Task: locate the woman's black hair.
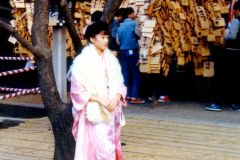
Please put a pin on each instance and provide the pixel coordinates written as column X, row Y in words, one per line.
column 95, row 29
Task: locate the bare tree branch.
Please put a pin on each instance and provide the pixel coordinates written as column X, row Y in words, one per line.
column 5, row 9
column 110, row 7
column 14, row 33
column 39, row 28
column 71, row 26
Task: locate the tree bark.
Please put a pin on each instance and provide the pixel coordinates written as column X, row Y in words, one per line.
column 58, row 113
column 109, row 8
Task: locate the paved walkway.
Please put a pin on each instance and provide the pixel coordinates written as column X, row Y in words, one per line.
column 145, row 139
column 173, row 131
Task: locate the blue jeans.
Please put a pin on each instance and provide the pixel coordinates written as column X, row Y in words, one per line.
column 130, row 70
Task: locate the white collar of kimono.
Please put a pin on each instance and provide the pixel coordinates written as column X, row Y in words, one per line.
column 85, row 68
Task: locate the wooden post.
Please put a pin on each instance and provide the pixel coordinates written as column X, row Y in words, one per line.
column 59, row 61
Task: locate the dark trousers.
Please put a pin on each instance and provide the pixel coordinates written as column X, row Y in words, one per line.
column 157, row 85
column 130, row 70
column 227, row 77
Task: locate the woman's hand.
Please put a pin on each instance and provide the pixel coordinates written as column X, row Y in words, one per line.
column 108, row 105
column 113, row 103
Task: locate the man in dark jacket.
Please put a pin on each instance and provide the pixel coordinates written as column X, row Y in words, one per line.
column 118, row 19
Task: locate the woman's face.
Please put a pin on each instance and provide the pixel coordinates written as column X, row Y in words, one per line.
column 100, row 41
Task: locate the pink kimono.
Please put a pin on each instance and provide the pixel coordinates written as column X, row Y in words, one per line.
column 96, row 141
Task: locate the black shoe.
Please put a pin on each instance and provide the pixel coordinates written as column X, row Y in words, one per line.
column 123, row 144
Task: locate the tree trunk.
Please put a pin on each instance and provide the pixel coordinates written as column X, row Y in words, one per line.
column 58, row 113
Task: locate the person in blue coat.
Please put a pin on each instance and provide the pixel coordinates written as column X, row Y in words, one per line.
column 127, row 37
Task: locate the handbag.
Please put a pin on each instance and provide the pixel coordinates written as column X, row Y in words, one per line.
column 97, row 113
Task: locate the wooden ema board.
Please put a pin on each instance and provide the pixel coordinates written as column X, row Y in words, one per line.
column 184, row 28
column 181, row 27
column 23, row 19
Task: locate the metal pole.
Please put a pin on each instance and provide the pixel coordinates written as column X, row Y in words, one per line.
column 59, row 61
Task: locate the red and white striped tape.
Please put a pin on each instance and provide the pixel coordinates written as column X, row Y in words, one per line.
column 23, row 92
column 17, row 71
column 14, row 89
column 16, row 58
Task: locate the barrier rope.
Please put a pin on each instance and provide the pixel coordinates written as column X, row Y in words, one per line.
column 16, row 58
column 23, row 92
column 14, row 89
column 27, row 69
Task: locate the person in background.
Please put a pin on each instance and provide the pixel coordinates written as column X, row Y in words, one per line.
column 127, row 38
column 95, row 17
column 228, row 67
column 113, row 46
column 158, row 88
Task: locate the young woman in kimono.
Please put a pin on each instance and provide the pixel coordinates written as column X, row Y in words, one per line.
column 98, row 95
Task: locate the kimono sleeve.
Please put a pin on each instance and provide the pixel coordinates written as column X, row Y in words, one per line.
column 79, row 94
column 123, row 91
